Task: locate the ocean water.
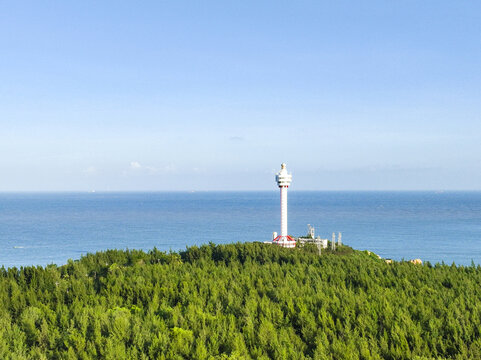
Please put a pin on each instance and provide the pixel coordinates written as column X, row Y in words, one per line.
column 45, row 228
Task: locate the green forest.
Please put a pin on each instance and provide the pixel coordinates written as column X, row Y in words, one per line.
column 240, row 301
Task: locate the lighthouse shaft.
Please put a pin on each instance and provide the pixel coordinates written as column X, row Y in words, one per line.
column 284, row 211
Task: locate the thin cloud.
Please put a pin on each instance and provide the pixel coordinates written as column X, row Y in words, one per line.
column 135, row 165
column 90, row 170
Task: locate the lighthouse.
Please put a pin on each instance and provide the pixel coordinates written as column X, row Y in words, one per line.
column 284, row 179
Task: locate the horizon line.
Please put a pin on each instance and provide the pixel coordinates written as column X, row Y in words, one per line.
column 241, row 190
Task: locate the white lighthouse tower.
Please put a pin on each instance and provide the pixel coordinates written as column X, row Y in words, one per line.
column 284, row 179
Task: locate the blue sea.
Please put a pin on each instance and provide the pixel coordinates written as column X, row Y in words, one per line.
column 45, row 228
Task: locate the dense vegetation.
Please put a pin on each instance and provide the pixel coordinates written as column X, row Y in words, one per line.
column 240, row 301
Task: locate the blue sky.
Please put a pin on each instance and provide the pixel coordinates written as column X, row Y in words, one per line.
column 204, row 95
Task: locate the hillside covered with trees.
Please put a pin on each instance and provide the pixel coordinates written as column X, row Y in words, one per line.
column 240, row 301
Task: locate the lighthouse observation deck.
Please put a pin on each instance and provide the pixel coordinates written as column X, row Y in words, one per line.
column 283, row 178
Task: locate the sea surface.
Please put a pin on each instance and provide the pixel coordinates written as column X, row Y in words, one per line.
column 45, row 228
